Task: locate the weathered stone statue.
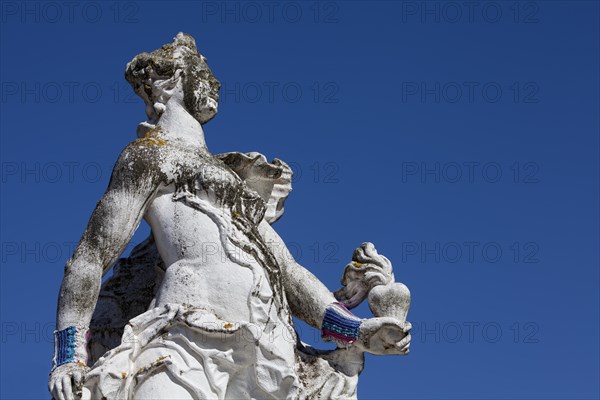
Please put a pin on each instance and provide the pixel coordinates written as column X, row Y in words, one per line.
column 203, row 308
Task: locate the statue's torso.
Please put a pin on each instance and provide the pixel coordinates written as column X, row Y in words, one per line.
column 191, row 218
column 219, row 314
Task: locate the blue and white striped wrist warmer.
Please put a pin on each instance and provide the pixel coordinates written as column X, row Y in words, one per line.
column 70, row 346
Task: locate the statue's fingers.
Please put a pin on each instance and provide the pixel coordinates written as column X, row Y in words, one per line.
column 401, row 349
column 51, row 385
column 353, row 301
column 67, row 388
column 404, row 343
column 352, row 298
column 352, row 292
column 340, row 295
column 57, row 391
column 392, row 330
column 407, row 327
column 77, row 375
column 389, row 322
column 78, row 380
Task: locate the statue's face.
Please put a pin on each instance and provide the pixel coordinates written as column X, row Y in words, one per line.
column 154, row 77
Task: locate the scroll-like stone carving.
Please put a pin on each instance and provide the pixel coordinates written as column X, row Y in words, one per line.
column 203, row 308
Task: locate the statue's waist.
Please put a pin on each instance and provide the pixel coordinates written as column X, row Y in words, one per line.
column 223, row 285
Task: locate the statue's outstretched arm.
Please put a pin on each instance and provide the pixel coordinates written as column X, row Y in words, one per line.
column 117, row 215
column 312, row 302
column 307, row 295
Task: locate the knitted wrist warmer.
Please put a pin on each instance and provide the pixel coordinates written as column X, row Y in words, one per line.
column 340, row 325
column 70, row 346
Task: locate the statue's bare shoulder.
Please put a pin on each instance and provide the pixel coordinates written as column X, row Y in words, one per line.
column 140, row 161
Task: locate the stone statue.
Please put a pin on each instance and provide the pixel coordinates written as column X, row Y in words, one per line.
column 203, row 308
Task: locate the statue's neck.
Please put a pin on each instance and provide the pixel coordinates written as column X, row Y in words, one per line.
column 177, row 124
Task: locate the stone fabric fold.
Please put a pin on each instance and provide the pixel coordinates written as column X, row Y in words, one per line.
column 177, row 348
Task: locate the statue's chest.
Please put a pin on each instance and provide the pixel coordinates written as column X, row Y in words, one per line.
column 210, row 182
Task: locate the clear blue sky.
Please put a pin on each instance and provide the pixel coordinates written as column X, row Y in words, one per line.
column 461, row 139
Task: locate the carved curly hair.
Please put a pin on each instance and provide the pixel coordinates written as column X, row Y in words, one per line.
column 199, row 83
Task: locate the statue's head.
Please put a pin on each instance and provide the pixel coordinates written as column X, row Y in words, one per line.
column 154, row 76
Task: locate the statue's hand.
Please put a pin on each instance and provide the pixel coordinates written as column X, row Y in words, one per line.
column 385, row 335
column 352, row 294
column 66, row 381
